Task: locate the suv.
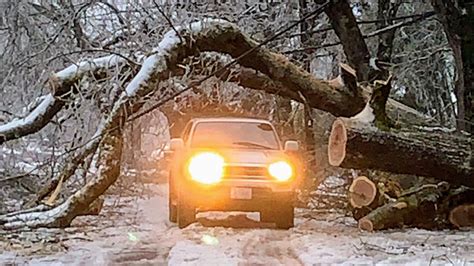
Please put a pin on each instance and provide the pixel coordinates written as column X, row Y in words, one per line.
column 232, row 164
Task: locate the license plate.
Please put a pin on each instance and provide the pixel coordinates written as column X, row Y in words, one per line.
column 240, row 193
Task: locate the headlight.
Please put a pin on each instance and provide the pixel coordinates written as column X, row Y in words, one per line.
column 282, row 171
column 206, row 167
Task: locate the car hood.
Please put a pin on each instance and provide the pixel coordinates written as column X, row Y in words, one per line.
column 251, row 156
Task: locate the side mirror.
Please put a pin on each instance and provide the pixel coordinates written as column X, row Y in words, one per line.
column 176, row 144
column 291, row 145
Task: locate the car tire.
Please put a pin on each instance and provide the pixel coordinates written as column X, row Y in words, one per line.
column 186, row 213
column 173, row 211
column 172, row 208
column 284, row 217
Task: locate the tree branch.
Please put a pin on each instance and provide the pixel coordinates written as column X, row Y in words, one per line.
column 369, row 35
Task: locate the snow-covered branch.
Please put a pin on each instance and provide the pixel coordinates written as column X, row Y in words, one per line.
column 60, row 85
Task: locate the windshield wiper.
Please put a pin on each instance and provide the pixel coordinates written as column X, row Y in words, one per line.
column 251, row 144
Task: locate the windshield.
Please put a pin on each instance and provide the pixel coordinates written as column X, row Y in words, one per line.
column 242, row 135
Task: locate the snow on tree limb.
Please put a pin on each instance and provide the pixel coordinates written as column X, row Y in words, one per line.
column 206, row 35
column 60, row 84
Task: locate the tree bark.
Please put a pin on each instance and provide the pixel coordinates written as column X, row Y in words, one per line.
column 418, row 152
column 68, row 170
column 418, row 209
column 345, row 26
column 457, row 18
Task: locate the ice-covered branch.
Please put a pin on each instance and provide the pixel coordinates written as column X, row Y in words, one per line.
column 60, row 83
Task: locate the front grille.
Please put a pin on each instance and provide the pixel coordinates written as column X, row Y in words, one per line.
column 245, row 172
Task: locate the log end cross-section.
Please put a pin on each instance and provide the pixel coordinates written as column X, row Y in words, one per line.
column 337, row 143
column 362, row 192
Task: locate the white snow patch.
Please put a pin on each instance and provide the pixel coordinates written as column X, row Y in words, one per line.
column 157, row 61
column 191, row 253
column 373, row 63
column 439, row 129
column 39, row 111
column 148, row 67
column 88, row 65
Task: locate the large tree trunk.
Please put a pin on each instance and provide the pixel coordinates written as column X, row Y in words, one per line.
column 367, row 141
column 443, row 155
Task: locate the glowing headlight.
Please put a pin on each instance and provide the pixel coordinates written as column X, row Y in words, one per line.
column 282, row 171
column 206, row 167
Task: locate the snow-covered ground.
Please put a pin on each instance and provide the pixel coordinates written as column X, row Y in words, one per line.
column 135, row 231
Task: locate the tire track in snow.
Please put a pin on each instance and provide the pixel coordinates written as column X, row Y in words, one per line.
column 270, row 247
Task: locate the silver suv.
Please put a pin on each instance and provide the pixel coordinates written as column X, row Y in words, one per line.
column 232, row 164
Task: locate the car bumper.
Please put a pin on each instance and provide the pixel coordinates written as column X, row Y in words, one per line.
column 220, row 197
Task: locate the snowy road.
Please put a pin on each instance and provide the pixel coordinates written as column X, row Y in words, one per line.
column 133, row 231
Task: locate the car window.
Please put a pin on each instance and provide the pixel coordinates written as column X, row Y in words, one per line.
column 243, row 135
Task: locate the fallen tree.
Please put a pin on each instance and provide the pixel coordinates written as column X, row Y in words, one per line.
column 369, row 140
column 207, row 35
column 61, row 85
column 442, row 155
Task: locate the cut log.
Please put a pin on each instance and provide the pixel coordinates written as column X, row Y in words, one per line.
column 455, row 208
column 363, row 197
column 418, row 209
column 362, row 192
column 337, row 144
column 462, row 216
column 356, row 144
column 366, row 194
